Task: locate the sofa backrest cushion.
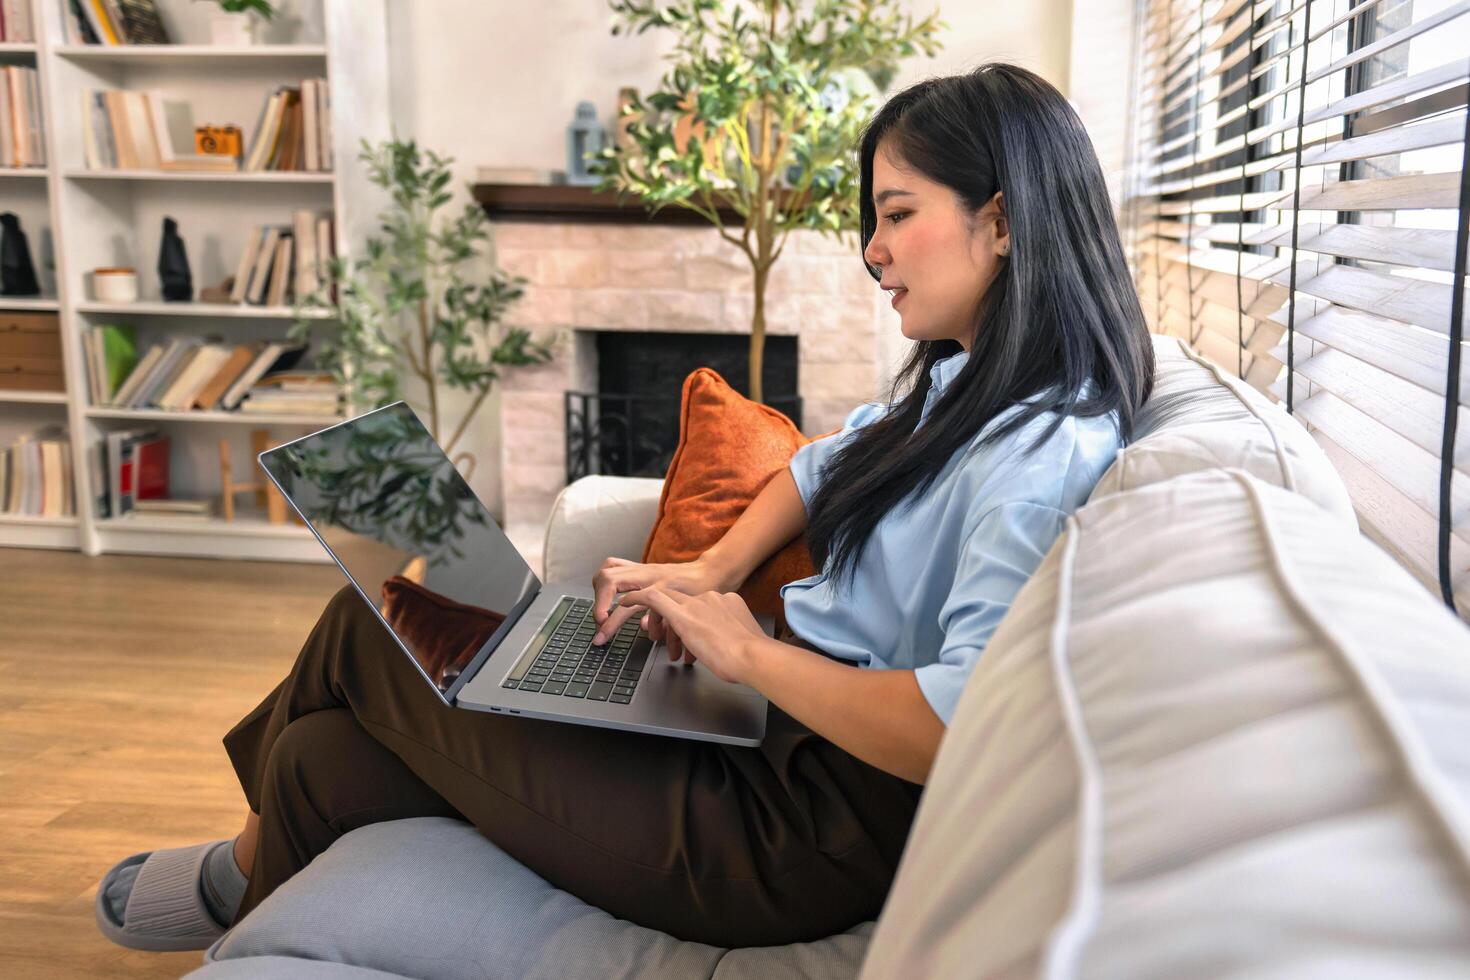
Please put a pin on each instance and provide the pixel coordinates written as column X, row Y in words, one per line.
column 1200, row 417
column 1215, row 735
column 594, row 518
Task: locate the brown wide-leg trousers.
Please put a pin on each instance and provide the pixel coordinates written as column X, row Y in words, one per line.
column 728, row 845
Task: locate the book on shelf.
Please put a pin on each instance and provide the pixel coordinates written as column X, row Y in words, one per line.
column 274, row 401
column 304, row 380
column 282, row 264
column 281, row 271
column 210, row 393
column 36, row 475
column 293, row 130
column 277, row 355
column 200, row 365
column 288, row 392
column 111, row 353
column 176, row 508
column 264, row 261
column 326, row 251
column 16, row 26
column 132, row 130
column 135, row 462
column 114, row 22
column 175, row 359
column 189, row 374
column 22, row 135
column 308, row 275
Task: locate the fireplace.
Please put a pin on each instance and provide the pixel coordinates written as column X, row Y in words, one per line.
column 629, row 425
column 633, row 308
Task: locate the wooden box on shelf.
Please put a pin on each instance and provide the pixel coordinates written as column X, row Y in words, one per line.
column 30, row 352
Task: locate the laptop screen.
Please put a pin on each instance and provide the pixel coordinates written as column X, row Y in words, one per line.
column 410, row 533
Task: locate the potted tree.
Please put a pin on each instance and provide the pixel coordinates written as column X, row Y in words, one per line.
column 421, row 303
column 759, row 114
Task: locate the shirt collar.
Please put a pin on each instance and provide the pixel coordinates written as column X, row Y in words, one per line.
column 941, row 373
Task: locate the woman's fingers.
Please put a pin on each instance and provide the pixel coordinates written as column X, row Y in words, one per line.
column 621, row 615
column 664, row 605
column 603, row 591
column 605, row 587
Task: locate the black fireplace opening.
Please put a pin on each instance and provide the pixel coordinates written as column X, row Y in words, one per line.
column 629, row 426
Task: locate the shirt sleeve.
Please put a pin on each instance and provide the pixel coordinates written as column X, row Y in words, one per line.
column 807, row 464
column 1002, row 551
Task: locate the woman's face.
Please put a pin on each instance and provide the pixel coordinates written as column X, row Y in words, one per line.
column 938, row 259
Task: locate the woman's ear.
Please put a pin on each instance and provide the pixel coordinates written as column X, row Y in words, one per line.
column 1002, row 226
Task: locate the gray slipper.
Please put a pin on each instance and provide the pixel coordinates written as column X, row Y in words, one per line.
column 165, row 912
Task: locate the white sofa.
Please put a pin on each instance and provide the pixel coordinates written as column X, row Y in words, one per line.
column 1219, row 734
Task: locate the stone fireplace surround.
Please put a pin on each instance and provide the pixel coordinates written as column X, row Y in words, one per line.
column 589, row 277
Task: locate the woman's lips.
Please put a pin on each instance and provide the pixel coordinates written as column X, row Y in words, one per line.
column 898, row 294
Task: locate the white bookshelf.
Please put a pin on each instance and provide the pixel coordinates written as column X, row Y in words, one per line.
column 78, row 219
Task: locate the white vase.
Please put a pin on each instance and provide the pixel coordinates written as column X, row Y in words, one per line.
column 232, row 30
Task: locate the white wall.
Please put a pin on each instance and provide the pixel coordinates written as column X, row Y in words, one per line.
column 495, row 83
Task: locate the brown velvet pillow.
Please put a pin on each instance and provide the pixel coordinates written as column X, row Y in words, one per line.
column 729, row 449
column 444, row 632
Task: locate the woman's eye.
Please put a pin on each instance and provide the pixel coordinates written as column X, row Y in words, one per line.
column 896, row 216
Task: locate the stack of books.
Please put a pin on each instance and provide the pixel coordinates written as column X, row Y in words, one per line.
column 190, row 374
column 143, row 131
column 15, row 22
column 293, row 393
column 113, row 22
column 283, row 264
column 128, row 466
column 22, row 138
column 294, row 131
column 36, row 476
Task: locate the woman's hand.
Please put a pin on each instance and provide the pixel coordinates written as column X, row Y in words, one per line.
column 619, row 575
column 716, row 627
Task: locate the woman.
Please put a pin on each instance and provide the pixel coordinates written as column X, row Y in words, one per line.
column 985, row 214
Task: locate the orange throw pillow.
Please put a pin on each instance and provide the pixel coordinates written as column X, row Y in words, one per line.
column 729, row 449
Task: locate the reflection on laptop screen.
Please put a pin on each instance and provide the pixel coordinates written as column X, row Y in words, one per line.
column 410, row 532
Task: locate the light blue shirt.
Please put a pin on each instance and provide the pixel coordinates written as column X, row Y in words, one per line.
column 937, row 575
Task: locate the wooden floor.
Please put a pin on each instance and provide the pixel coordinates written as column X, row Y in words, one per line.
column 118, row 677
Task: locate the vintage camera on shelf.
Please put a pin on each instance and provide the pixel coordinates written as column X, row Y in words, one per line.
column 217, row 140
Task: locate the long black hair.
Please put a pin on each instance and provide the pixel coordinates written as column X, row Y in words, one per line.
column 1061, row 310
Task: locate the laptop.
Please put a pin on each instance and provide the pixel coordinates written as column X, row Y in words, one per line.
column 478, row 625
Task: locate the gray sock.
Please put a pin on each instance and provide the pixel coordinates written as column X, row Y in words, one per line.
column 221, row 882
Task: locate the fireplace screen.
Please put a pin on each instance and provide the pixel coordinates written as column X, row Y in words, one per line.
column 630, row 425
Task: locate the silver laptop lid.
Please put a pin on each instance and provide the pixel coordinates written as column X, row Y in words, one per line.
column 395, row 514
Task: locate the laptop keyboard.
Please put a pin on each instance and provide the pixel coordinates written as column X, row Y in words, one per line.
column 562, row 660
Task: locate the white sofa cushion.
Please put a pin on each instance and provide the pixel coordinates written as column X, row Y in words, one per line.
column 1215, row 735
column 1200, row 417
column 594, row 518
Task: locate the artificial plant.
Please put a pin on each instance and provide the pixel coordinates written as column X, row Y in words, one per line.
column 772, row 95
column 422, row 298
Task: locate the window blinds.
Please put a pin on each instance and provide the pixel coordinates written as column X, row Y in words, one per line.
column 1296, row 210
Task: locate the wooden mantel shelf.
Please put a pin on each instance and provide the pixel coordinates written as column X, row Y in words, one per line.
column 571, row 202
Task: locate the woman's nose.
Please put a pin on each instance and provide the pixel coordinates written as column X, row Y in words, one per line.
column 876, row 253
